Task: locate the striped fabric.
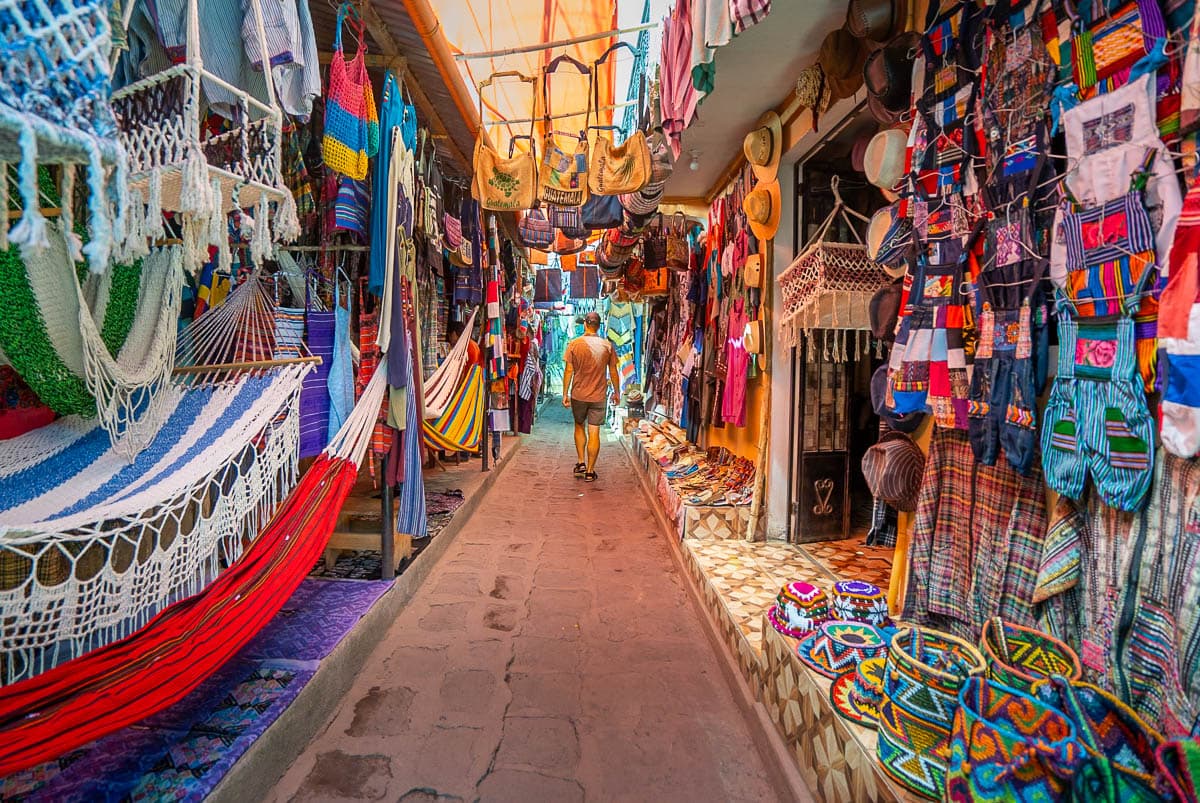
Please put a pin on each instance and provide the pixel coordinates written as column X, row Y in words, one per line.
column 748, row 13
column 411, row 517
column 976, row 542
column 1097, row 422
column 353, row 206
column 1179, row 330
column 293, row 327
column 459, row 428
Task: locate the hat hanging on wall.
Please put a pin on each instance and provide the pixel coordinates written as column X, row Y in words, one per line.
column 842, row 58
column 889, row 240
column 858, row 151
column 893, row 469
column 887, row 74
column 876, row 20
column 884, row 159
column 761, row 206
column 762, row 146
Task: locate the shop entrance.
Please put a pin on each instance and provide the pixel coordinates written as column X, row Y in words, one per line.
column 832, row 422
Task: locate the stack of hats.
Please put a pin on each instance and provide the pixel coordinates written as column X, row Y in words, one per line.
column 838, row 647
column 858, row 695
column 858, row 601
column 799, row 609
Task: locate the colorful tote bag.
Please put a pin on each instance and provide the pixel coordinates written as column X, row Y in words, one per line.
column 1008, row 746
column 1120, row 747
column 1116, row 41
column 535, row 230
column 921, row 681
column 1021, row 656
column 351, row 119
column 500, row 184
column 563, row 179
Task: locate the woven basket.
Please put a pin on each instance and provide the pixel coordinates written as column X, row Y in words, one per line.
column 1020, row 656
column 925, row 670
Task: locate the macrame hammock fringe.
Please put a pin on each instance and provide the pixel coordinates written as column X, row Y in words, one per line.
column 125, row 682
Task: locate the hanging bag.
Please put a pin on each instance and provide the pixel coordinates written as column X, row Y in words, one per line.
column 678, row 253
column 351, row 135
column 499, row 184
column 601, row 212
column 654, row 243
column 564, row 171
column 616, row 169
column 535, row 230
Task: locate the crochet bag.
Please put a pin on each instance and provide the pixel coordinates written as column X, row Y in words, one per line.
column 1009, row 746
column 925, row 670
column 678, row 254
column 535, row 230
column 1120, row 762
column 1021, row 656
column 564, row 172
column 505, row 184
column 616, row 169
column 351, row 135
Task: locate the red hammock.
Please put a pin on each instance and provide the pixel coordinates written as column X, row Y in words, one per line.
column 122, row 683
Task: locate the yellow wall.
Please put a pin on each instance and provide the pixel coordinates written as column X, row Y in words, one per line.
column 743, row 441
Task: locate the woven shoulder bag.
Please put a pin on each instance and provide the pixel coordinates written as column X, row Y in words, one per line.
column 924, row 672
column 1121, row 761
column 1021, row 656
column 563, row 178
column 616, row 169
column 1008, row 746
column 351, row 134
column 500, row 184
column 535, row 230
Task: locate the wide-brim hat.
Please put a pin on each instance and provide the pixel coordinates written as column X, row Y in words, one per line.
column 889, row 236
column 893, row 468
column 887, row 75
column 876, row 20
column 900, row 422
column 883, row 163
column 860, row 601
column 762, row 208
column 842, row 57
column 858, row 695
column 763, row 146
column 644, row 201
column 838, row 647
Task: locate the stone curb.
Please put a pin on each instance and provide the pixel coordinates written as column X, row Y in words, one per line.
column 785, row 775
column 266, row 761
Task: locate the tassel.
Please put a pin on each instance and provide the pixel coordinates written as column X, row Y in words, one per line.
column 260, row 238
column 30, row 231
column 121, row 224
column 99, row 249
column 195, row 196
column 154, row 211
column 287, row 219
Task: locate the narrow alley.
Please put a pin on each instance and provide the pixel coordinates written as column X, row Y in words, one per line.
column 552, row 655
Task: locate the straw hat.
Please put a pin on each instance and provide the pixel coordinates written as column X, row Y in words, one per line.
column 761, row 206
column 884, row 160
column 841, row 58
column 763, row 145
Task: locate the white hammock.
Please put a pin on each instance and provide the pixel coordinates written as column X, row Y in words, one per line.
column 441, row 384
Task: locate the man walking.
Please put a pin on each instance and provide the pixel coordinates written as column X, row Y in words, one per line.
column 591, row 363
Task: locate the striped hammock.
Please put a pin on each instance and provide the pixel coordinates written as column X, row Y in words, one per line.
column 442, row 383
column 460, row 426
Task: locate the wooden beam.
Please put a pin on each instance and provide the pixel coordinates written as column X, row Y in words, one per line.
column 438, row 126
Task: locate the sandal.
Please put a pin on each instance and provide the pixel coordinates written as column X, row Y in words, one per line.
column 579, row 469
column 590, row 476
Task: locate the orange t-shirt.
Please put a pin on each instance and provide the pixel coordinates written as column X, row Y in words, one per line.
column 590, row 358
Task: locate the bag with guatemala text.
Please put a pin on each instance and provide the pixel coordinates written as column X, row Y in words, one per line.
column 616, row 169
column 563, row 179
column 500, row 184
column 351, row 135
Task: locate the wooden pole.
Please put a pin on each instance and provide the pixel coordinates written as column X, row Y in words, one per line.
column 244, row 366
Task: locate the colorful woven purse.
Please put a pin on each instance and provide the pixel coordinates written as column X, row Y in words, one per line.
column 1021, row 656
column 1117, row 41
column 563, row 179
column 351, row 135
column 535, row 230
column 1179, row 766
column 505, row 184
column 924, row 672
column 1009, row 746
column 1121, row 748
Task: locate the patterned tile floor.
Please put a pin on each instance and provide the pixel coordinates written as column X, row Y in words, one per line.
column 851, row 558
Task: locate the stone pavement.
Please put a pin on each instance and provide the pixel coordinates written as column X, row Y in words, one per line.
column 552, row 655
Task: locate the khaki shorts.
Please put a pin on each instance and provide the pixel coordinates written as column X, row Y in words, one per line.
column 591, row 413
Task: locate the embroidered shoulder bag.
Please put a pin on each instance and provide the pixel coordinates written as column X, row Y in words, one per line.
column 351, row 135
column 535, row 230
column 616, row 169
column 563, row 179
column 500, row 184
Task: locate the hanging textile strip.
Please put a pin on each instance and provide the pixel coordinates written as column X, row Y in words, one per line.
column 295, row 328
column 160, row 664
column 1179, row 332
column 460, row 427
